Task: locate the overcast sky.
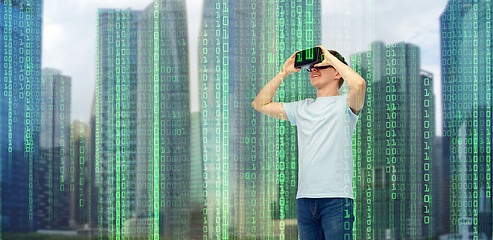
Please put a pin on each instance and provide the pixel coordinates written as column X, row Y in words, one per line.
column 69, row 36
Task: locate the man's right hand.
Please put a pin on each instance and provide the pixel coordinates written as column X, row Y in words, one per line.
column 288, row 66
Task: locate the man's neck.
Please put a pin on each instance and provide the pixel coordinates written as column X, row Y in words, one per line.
column 327, row 92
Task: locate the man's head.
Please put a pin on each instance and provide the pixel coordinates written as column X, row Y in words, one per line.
column 320, row 77
column 341, row 58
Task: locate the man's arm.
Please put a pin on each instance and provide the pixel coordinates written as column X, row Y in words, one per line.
column 263, row 102
column 357, row 85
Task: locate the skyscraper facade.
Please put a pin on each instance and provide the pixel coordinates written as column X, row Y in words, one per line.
column 115, row 123
column 20, row 71
column 393, row 142
column 441, row 185
column 250, row 160
column 95, row 175
column 53, row 168
column 196, row 177
column 163, row 113
column 466, row 90
column 81, row 176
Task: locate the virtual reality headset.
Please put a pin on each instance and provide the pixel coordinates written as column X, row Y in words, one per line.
column 307, row 58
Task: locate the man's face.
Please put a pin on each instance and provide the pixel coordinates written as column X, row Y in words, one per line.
column 320, row 78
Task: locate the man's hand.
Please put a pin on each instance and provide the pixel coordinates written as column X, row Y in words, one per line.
column 288, row 66
column 263, row 102
column 327, row 60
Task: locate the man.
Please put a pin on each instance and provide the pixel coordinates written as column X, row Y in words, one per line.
column 325, row 128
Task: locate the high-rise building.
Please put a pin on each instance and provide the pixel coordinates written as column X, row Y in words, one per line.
column 393, row 142
column 441, row 185
column 249, row 159
column 81, row 176
column 96, row 176
column 53, row 168
column 56, row 90
column 20, row 71
column 466, row 91
column 116, row 118
column 163, row 113
column 196, row 178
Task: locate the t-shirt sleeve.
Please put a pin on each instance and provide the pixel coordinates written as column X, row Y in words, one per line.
column 291, row 110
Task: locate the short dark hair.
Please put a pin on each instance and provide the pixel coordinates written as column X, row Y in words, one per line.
column 341, row 58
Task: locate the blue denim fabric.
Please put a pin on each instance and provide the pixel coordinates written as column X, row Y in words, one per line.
column 325, row 218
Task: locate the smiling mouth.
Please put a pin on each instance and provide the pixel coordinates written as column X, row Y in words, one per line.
column 316, row 75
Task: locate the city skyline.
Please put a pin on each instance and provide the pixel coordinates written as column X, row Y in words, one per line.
column 148, row 163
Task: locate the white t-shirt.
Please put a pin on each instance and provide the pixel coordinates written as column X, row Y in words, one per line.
column 325, row 129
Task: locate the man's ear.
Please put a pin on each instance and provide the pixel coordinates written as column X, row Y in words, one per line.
column 338, row 76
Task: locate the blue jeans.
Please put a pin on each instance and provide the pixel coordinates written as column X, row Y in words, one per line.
column 325, row 218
